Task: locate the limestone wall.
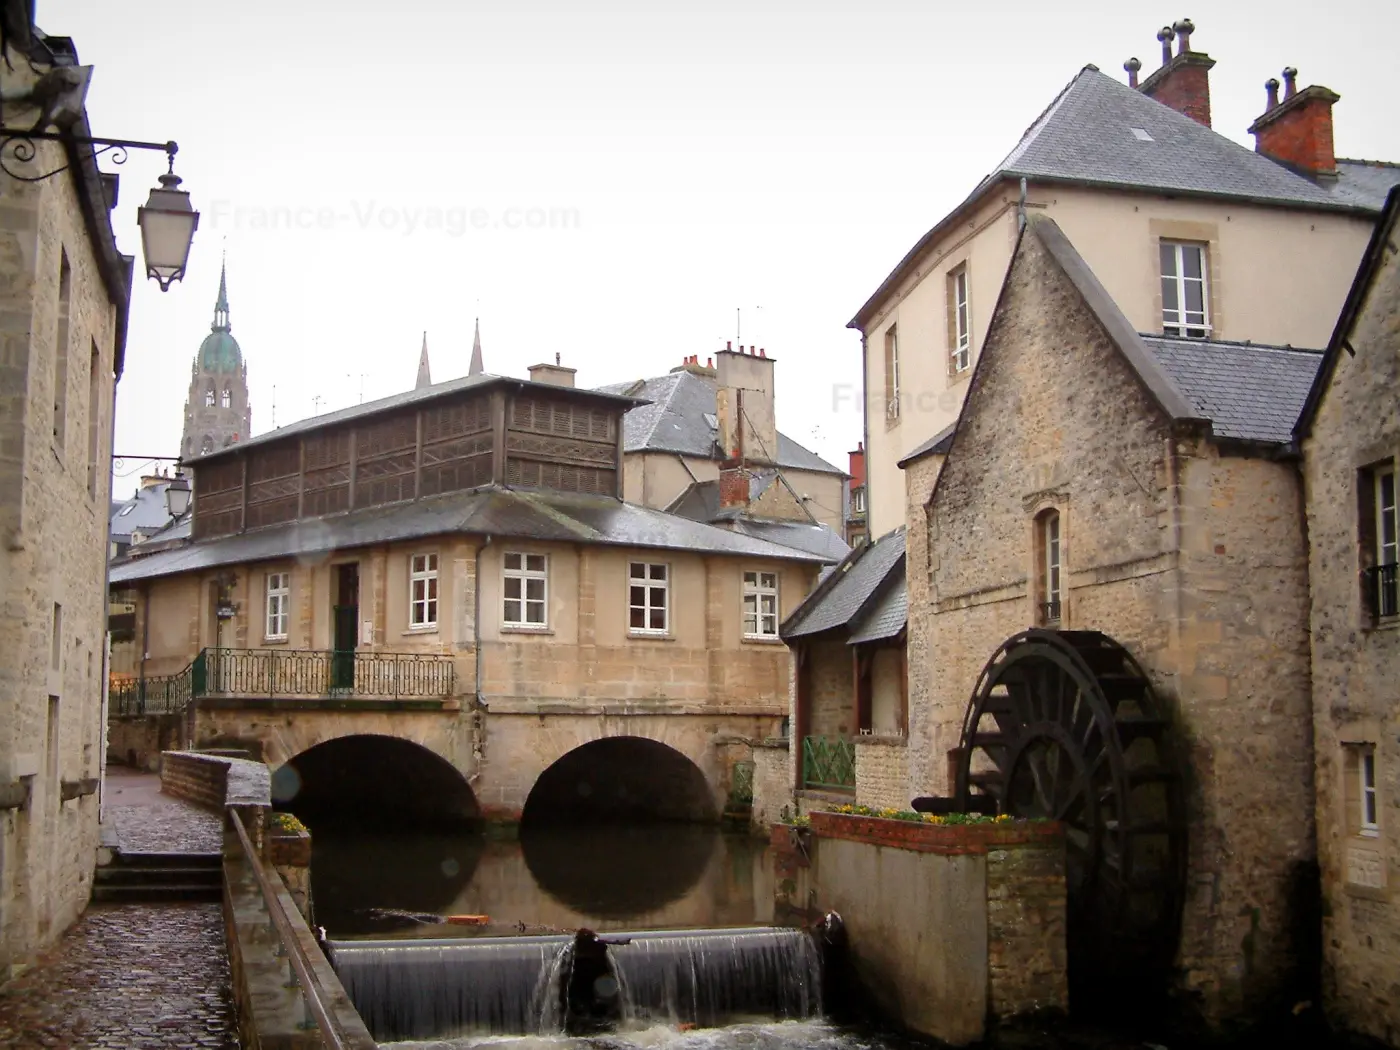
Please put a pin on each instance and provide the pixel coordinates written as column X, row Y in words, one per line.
column 882, row 772
column 1355, row 668
column 57, row 359
column 772, row 783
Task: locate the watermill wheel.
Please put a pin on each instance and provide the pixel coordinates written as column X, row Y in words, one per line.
column 1064, row 725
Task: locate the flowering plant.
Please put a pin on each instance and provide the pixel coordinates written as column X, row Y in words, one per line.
column 951, row 819
column 286, row 822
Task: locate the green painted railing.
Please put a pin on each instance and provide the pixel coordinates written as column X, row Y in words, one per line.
column 829, row 762
column 272, row 673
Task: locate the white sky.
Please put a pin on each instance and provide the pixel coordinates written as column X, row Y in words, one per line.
column 778, row 157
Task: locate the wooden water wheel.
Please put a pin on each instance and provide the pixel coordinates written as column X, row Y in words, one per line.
column 1065, row 725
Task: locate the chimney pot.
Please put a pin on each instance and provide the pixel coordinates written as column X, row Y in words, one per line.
column 709, row 362
column 1184, row 29
column 1132, row 66
column 556, row 357
column 729, row 344
column 1271, row 90
column 1165, row 35
column 762, row 352
column 1290, row 82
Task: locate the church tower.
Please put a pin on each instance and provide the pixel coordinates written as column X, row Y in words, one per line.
column 217, row 413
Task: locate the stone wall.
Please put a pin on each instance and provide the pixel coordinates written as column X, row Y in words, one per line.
column 1355, row 665
column 138, row 742
column 57, row 363
column 213, row 781
column 1026, row 948
column 882, row 772
column 772, row 783
column 831, row 708
column 1191, row 558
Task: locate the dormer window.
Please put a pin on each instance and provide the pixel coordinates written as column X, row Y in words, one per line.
column 1185, row 297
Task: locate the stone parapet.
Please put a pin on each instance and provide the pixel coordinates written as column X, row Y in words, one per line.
column 214, row 781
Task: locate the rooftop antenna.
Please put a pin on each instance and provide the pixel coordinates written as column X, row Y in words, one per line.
column 316, row 404
column 274, row 406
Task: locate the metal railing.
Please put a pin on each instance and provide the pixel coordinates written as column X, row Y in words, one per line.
column 1050, row 612
column 1381, row 584
column 829, row 762
column 287, row 673
column 313, row 994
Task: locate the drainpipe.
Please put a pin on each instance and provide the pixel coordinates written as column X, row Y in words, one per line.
column 479, row 749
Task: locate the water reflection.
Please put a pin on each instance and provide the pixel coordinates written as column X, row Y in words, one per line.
column 553, row 878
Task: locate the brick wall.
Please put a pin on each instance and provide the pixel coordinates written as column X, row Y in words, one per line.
column 1026, row 957
column 201, row 779
column 882, row 772
column 1355, row 665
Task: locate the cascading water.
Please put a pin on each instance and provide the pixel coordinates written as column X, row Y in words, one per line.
column 549, row 985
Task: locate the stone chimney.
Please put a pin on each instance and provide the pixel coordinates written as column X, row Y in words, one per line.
column 1297, row 131
column 1183, row 81
column 150, row 480
column 748, row 428
column 553, row 375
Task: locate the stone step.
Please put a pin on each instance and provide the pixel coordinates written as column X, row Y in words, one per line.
column 167, row 860
column 144, row 892
column 126, row 875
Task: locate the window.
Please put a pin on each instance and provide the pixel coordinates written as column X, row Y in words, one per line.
column 892, row 372
column 760, row 605
column 648, row 597
column 279, row 591
column 1184, row 298
column 1369, row 824
column 1383, row 584
column 1048, row 565
column 960, row 327
column 423, row 591
column 858, row 500
column 94, row 419
column 60, row 353
column 209, row 398
column 526, row 590
column 226, row 398
column 56, row 641
column 206, row 446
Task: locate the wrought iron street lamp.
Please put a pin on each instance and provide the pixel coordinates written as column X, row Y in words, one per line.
column 177, row 495
column 167, row 226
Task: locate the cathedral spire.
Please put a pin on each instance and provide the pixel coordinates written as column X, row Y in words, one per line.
column 425, row 378
column 476, row 366
column 221, row 305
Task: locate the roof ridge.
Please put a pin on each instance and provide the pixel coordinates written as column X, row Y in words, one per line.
column 1243, row 344
column 1373, row 163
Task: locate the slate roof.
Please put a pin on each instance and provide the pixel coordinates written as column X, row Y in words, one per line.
column 1247, row 391
column 1086, row 137
column 939, row 443
column 700, row 502
column 886, row 618
column 407, row 397
column 145, row 510
column 847, row 595
column 508, row 513
column 675, row 421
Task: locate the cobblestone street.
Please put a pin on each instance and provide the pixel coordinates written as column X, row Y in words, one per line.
column 139, row 975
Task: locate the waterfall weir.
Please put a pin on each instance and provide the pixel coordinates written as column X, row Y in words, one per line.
column 579, row 983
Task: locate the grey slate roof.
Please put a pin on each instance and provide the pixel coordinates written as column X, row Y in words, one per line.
column 886, row 618
column 674, row 421
column 939, row 443
column 1086, row 137
column 849, row 590
column 407, row 397
column 1247, row 391
column 700, row 502
column 508, row 513
column 145, row 510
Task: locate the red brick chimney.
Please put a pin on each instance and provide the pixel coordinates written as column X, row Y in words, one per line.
column 1183, row 81
column 1298, row 130
column 733, row 487
column 857, row 466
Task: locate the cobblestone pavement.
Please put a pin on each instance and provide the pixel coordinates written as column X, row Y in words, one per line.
column 133, row 976
column 145, row 821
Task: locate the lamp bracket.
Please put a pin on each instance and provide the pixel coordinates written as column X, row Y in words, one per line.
column 17, row 146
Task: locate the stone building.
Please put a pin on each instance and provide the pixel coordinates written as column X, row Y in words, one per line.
column 217, row 412
column 447, row 584
column 63, row 317
column 1108, row 625
column 699, row 416
column 1350, row 438
column 1181, row 224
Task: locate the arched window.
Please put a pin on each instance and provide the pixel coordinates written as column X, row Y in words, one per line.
column 209, row 398
column 226, row 398
column 206, row 446
column 1049, row 568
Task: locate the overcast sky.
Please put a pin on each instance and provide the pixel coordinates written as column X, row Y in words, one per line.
column 608, row 182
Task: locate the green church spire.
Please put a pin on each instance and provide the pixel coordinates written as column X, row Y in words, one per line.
column 221, row 305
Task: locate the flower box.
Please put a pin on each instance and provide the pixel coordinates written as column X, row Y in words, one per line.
column 925, row 837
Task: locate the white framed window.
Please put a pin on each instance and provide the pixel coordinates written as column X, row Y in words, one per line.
column 960, row 353
column 423, row 590
column 1369, row 823
column 1048, row 540
column 858, row 500
column 760, row 605
column 226, row 398
column 1185, row 296
column 279, row 599
column 649, row 597
column 892, row 372
column 1387, row 520
column 209, row 398
column 526, row 590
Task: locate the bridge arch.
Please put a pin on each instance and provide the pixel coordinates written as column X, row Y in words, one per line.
column 621, row 778
column 373, row 779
